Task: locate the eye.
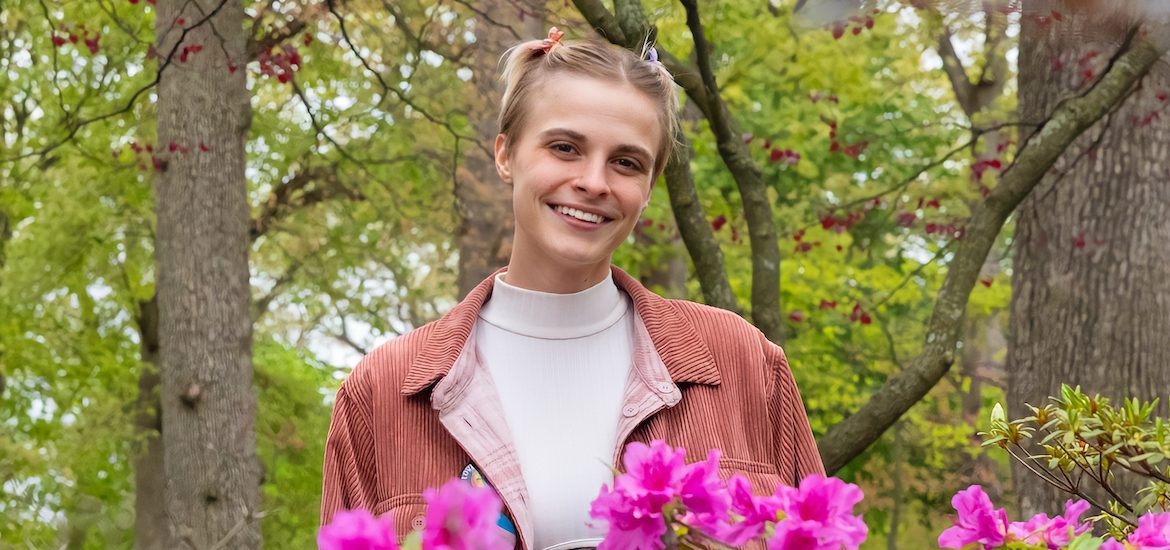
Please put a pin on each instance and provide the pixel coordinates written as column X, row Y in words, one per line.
column 630, row 164
column 562, row 147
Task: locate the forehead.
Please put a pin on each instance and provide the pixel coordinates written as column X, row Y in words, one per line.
column 601, row 110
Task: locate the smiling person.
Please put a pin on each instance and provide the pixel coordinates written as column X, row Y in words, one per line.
column 537, row 380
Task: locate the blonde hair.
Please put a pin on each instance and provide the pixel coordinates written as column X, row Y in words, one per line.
column 528, row 64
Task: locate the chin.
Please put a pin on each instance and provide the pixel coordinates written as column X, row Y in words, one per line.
column 579, row 259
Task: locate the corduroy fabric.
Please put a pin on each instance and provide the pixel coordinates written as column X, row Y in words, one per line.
column 387, row 443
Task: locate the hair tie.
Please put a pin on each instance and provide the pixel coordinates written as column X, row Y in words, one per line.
column 652, row 55
column 554, row 39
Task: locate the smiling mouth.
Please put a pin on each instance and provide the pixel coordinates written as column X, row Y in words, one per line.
column 577, row 214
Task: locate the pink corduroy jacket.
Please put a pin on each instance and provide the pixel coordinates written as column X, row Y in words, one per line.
column 420, row 408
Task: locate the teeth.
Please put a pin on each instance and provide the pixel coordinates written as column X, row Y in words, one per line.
column 584, row 216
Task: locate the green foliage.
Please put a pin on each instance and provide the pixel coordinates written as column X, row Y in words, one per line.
column 1078, row 439
column 295, row 398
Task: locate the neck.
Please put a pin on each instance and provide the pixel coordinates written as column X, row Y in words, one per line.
column 554, row 279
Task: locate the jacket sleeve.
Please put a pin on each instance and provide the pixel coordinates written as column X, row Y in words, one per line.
column 793, row 435
column 350, row 469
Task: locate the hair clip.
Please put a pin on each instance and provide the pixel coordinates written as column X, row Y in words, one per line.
column 652, row 54
column 554, row 39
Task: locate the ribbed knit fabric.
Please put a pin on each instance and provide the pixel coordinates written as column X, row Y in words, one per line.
column 560, row 364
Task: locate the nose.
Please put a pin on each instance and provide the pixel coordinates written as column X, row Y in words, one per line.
column 592, row 179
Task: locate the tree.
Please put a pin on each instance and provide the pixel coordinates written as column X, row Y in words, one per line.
column 1091, row 277
column 204, row 296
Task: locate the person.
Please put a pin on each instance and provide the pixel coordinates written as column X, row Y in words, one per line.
column 536, row 381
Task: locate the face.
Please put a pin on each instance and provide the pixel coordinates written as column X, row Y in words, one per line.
column 580, row 170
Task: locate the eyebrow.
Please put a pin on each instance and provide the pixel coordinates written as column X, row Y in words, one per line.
column 578, row 136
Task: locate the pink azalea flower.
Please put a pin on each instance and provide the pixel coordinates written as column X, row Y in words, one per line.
column 462, row 517
column 1052, row 533
column 633, row 523
column 828, row 503
column 704, row 495
column 1111, row 544
column 978, row 522
column 1031, row 531
column 357, row 530
column 754, row 512
column 633, row 509
column 1063, row 529
column 799, row 535
column 656, row 469
column 1152, row 533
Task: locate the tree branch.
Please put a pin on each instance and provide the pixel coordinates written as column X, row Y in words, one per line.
column 753, row 192
column 76, row 126
column 260, row 306
column 295, row 193
column 1068, row 121
column 956, row 72
column 393, row 90
column 260, row 43
column 696, row 231
column 603, row 21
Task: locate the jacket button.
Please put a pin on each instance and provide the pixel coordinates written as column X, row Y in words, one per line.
column 629, row 410
column 418, row 522
column 665, row 387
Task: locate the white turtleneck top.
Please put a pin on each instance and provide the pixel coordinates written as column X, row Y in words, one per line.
column 560, row 364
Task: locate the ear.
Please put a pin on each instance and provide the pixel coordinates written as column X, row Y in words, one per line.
column 503, row 163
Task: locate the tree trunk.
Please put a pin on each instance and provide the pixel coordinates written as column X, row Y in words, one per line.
column 667, row 274
column 485, row 202
column 1091, row 279
column 150, row 520
column 205, row 325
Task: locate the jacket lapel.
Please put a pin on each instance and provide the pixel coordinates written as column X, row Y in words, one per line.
column 687, row 357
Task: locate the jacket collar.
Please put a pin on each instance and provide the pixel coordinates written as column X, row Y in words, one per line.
column 687, row 357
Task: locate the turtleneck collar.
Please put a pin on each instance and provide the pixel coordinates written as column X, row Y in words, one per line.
column 554, row 316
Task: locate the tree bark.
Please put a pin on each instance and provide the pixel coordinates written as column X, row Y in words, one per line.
column 205, row 327
column 1091, row 278
column 696, row 230
column 666, row 275
column 150, row 520
column 483, row 200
